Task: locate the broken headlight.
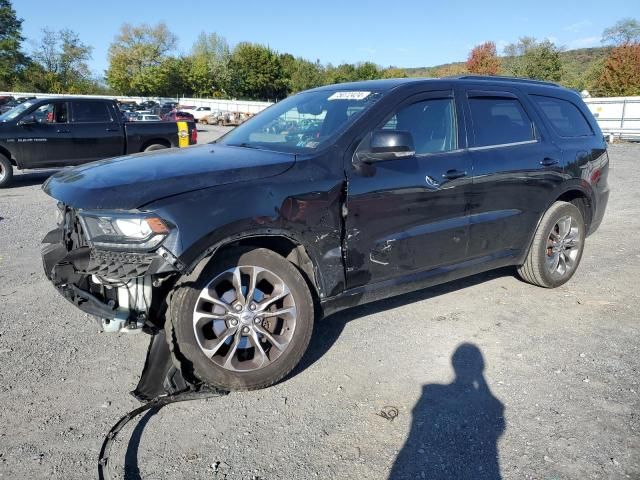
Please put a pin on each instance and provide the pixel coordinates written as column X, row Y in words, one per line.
column 124, row 230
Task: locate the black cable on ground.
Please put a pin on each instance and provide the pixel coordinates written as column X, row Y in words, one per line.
column 104, row 471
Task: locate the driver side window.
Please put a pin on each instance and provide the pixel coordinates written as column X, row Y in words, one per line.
column 432, row 124
column 51, row 113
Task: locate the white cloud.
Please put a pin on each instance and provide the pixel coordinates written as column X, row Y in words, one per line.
column 576, row 27
column 584, row 42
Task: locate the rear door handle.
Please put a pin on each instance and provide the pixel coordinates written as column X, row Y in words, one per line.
column 548, row 161
column 112, row 130
column 453, row 174
column 62, row 130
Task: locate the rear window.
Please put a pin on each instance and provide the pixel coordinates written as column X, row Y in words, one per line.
column 499, row 121
column 565, row 117
column 84, row 112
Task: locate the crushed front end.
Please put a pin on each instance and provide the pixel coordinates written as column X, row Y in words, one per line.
column 111, row 265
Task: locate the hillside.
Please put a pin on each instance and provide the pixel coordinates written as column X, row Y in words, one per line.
column 579, row 67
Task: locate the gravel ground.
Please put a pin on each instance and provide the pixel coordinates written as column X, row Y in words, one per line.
column 558, row 397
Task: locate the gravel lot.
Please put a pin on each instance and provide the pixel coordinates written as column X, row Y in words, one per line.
column 558, row 398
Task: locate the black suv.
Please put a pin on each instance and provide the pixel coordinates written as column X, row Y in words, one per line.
column 331, row 198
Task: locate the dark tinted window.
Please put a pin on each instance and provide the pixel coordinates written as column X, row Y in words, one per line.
column 497, row 121
column 565, row 118
column 431, row 124
column 90, row 112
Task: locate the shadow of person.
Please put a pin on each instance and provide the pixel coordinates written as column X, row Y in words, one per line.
column 455, row 428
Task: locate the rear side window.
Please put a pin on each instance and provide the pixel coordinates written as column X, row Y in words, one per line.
column 84, row 112
column 499, row 121
column 565, row 118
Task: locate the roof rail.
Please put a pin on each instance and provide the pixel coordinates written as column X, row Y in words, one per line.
column 502, row 77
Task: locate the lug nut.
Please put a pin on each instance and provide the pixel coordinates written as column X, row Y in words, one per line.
column 252, row 306
column 245, row 330
column 238, row 307
column 233, row 322
column 257, row 320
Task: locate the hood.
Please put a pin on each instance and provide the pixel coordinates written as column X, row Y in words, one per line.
column 132, row 181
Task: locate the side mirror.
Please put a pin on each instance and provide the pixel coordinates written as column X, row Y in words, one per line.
column 388, row 145
column 28, row 120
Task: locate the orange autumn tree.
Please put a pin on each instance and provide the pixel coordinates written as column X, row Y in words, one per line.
column 484, row 60
column 621, row 72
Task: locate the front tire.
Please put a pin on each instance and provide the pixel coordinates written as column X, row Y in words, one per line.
column 557, row 247
column 6, row 172
column 244, row 323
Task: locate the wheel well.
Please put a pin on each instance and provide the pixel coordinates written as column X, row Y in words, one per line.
column 289, row 249
column 156, row 141
column 7, row 154
column 580, row 200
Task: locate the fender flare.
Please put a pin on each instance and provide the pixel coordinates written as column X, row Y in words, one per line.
column 196, row 265
column 575, row 185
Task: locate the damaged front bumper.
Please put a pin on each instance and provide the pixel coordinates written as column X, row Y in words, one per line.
column 115, row 287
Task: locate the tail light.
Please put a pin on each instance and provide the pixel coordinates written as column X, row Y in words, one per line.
column 194, row 135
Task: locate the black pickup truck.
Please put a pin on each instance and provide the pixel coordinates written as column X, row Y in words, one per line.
column 57, row 132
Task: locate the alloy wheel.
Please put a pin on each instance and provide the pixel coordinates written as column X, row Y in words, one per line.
column 244, row 318
column 563, row 246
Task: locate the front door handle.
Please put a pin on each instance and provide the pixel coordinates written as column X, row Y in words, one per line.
column 548, row 161
column 62, row 130
column 112, row 130
column 453, row 174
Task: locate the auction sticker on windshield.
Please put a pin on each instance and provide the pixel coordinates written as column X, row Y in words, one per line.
column 349, row 96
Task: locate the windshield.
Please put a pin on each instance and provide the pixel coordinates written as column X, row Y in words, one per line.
column 16, row 111
column 303, row 122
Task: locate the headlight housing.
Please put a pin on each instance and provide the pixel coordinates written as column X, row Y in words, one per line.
column 131, row 231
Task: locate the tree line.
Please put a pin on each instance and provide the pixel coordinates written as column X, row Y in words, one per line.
column 143, row 61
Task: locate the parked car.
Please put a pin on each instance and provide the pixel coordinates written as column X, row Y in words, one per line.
column 4, row 99
column 198, row 112
column 149, row 104
column 177, row 115
column 56, row 132
column 237, row 245
column 147, row 117
column 20, row 100
column 224, row 118
column 165, row 108
column 130, row 116
column 214, row 118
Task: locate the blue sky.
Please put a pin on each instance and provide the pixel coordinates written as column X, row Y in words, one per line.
column 409, row 33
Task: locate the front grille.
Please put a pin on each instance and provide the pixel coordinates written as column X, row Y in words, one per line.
column 118, row 265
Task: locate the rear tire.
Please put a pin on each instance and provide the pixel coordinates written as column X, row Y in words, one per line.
column 154, row 147
column 235, row 343
column 557, row 247
column 6, row 172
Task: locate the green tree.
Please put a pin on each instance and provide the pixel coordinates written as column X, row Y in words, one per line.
column 394, row 72
column 345, row 72
column 484, row 60
column 367, row 71
column 12, row 60
column 136, row 55
column 256, row 73
column 208, row 72
column 532, row 59
column 625, row 31
column 62, row 67
column 301, row 74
